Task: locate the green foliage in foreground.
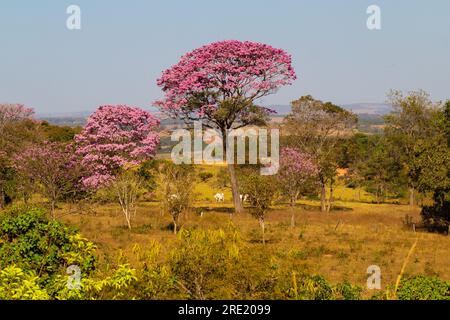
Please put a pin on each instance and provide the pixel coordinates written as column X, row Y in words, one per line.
column 42, row 247
column 423, row 288
column 15, row 284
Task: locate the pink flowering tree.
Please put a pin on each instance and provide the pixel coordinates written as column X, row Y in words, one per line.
column 115, row 137
column 10, row 113
column 219, row 84
column 296, row 175
column 50, row 168
column 10, row 141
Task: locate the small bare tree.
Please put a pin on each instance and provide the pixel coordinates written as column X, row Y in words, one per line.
column 175, row 190
column 127, row 187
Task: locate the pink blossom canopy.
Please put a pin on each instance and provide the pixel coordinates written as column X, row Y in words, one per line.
column 297, row 170
column 293, row 161
column 115, row 136
column 226, row 70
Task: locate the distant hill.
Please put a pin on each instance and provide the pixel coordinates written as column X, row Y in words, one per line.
column 369, row 108
column 79, row 118
column 358, row 108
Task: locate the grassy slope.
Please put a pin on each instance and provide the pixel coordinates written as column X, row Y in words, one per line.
column 340, row 245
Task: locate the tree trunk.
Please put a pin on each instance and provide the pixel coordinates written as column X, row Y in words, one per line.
column 235, row 189
column 128, row 219
column 411, row 197
column 2, row 198
column 323, row 198
column 293, row 213
column 232, row 172
column 174, row 227
column 52, row 208
column 330, row 199
column 263, row 227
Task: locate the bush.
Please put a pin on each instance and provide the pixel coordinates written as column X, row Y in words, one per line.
column 437, row 217
column 423, row 288
column 202, row 260
column 205, row 176
column 15, row 284
column 314, row 288
column 34, row 244
column 347, row 291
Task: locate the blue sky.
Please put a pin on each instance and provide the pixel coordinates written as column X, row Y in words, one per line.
column 123, row 47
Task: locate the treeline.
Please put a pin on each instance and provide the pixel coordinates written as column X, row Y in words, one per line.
column 114, row 154
column 19, row 130
column 411, row 158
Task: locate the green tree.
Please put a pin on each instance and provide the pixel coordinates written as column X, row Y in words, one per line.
column 433, row 165
column 377, row 168
column 408, row 128
column 175, row 189
column 261, row 191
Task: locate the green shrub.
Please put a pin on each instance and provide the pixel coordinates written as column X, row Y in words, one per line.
column 46, row 247
column 202, row 260
column 15, row 284
column 205, row 176
column 117, row 284
column 156, row 281
column 423, row 288
column 347, row 291
column 306, row 287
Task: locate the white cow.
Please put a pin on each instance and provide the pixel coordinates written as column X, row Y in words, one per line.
column 243, row 197
column 173, row 197
column 220, row 197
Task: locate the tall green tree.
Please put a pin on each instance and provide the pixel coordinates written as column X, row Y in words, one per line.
column 379, row 168
column 409, row 129
column 433, row 165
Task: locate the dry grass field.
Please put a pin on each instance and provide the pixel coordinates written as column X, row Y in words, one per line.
column 340, row 245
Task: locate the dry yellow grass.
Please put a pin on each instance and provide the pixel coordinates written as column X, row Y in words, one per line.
column 340, row 245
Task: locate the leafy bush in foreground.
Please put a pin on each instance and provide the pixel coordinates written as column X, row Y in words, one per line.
column 15, row 284
column 45, row 247
column 423, row 288
column 202, row 260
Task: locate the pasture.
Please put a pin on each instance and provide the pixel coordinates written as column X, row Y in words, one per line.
column 339, row 245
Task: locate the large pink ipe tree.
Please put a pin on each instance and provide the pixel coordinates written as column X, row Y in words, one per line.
column 219, row 83
column 114, row 137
